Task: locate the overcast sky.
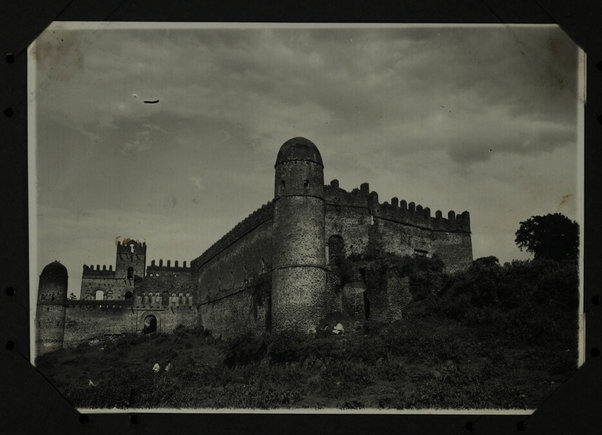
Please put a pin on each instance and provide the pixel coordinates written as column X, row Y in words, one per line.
column 463, row 118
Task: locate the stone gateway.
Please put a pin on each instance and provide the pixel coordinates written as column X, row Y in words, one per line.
column 274, row 271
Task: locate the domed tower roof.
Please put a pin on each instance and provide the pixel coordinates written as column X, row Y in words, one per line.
column 299, row 148
column 54, row 270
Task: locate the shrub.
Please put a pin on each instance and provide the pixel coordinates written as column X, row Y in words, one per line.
column 244, row 350
column 181, row 331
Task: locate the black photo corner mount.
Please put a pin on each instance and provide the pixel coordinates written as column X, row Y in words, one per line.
column 32, row 405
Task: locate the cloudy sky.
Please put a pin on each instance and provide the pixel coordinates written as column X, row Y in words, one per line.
column 465, row 118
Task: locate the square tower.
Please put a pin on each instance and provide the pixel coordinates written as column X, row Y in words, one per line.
column 131, row 259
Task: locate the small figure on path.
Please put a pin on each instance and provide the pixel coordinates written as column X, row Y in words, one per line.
column 156, row 367
column 168, row 367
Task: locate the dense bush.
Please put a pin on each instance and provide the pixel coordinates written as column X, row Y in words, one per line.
column 490, row 336
column 532, row 302
column 244, row 349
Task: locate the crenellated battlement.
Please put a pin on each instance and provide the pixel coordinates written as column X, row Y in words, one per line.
column 91, row 271
column 129, row 245
column 252, row 221
column 167, row 267
column 396, row 210
column 104, row 305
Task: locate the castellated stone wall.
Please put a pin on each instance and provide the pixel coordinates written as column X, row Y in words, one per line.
column 172, row 285
column 397, row 227
column 274, row 270
column 225, row 273
column 112, row 288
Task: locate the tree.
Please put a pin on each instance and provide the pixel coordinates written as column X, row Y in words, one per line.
column 486, row 262
column 552, row 236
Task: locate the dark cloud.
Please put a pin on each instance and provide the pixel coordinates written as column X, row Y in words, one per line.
column 422, row 112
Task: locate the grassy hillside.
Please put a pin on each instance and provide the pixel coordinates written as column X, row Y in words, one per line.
column 491, row 337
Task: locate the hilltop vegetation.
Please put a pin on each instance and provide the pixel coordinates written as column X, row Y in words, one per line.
column 493, row 336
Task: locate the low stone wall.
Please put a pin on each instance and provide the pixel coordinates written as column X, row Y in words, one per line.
column 88, row 320
column 235, row 315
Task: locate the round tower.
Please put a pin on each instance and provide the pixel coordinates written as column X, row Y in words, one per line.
column 299, row 274
column 50, row 313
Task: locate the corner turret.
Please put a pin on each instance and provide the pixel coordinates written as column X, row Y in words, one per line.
column 299, row 274
column 50, row 312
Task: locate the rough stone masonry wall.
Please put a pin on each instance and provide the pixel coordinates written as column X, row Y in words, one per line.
column 234, row 315
column 225, row 270
column 50, row 323
column 168, row 318
column 113, row 288
column 168, row 281
column 400, row 228
column 88, row 319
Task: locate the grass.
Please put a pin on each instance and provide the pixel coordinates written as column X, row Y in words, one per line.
column 490, row 337
column 448, row 367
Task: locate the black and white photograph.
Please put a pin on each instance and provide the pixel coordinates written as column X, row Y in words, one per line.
column 253, row 217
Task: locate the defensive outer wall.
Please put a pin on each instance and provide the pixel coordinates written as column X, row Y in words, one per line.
column 113, row 305
column 275, row 270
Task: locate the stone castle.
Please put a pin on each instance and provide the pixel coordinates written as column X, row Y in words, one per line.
column 275, row 270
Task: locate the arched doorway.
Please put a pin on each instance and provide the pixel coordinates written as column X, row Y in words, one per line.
column 150, row 324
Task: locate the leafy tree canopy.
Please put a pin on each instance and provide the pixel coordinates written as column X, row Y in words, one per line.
column 552, row 236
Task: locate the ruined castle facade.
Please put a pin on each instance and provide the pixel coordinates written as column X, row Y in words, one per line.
column 275, row 270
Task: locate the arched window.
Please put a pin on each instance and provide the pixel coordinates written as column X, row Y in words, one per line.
column 100, row 295
column 158, row 298
column 130, row 272
column 127, row 295
column 180, row 298
column 336, row 250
